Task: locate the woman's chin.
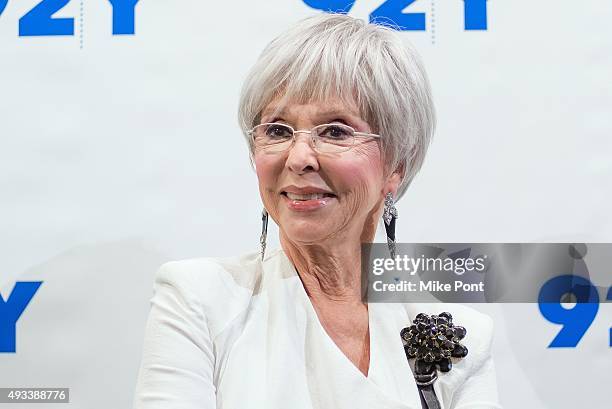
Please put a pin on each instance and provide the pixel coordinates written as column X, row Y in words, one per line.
column 306, row 231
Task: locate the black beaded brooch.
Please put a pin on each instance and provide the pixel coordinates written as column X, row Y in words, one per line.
column 433, row 340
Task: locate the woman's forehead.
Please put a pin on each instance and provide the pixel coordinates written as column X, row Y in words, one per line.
column 318, row 108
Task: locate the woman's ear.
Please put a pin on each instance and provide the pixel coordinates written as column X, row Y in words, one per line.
column 395, row 180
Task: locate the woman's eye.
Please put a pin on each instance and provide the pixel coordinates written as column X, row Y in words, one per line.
column 278, row 131
column 335, row 132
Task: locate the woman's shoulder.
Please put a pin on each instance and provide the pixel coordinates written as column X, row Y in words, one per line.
column 210, row 270
column 220, row 288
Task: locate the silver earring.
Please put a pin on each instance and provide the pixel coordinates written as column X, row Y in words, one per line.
column 389, row 217
column 264, row 232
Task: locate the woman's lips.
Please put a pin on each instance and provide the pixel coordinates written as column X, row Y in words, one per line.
column 308, row 202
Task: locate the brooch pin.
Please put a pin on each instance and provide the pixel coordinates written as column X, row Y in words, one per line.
column 433, row 341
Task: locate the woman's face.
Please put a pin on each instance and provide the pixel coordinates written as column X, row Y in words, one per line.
column 350, row 185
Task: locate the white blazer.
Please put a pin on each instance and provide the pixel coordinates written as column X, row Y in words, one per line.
column 239, row 333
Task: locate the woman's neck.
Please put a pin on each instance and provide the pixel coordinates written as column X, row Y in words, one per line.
column 331, row 276
column 329, row 273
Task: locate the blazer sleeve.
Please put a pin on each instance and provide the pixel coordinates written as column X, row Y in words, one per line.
column 479, row 391
column 178, row 361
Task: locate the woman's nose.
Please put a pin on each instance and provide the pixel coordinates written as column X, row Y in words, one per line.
column 301, row 157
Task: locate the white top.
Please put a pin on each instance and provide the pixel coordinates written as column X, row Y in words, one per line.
column 236, row 333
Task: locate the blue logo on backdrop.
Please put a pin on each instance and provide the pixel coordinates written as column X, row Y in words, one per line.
column 11, row 310
column 39, row 21
column 575, row 321
column 2, row 5
column 475, row 13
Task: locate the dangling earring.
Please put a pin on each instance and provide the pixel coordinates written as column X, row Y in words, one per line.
column 264, row 232
column 389, row 217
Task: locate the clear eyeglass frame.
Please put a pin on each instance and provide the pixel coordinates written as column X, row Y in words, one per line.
column 317, row 142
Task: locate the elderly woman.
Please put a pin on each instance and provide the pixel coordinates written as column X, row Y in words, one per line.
column 338, row 117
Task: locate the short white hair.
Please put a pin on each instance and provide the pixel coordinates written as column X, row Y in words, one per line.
column 367, row 64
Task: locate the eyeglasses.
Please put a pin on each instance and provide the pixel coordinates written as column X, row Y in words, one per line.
column 324, row 138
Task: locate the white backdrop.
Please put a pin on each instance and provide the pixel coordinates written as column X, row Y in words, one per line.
column 125, row 153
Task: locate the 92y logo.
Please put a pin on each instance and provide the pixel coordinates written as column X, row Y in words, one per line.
column 2, row 5
column 39, row 21
column 475, row 12
column 11, row 310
